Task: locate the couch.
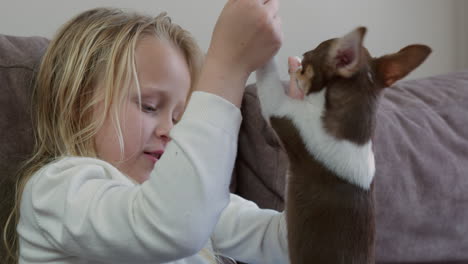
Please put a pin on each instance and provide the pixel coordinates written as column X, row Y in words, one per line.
column 421, row 149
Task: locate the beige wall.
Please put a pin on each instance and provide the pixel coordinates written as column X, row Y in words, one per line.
column 461, row 33
column 392, row 24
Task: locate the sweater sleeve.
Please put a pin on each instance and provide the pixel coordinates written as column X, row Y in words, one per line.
column 91, row 213
column 250, row 234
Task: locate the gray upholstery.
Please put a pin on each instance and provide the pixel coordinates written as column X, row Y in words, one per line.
column 19, row 57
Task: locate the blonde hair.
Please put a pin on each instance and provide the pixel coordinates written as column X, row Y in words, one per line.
column 96, row 45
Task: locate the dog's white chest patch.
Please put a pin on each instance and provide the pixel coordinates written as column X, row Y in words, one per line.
column 349, row 161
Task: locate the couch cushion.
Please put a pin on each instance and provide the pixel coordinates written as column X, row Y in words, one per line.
column 421, row 147
column 19, row 57
column 261, row 163
column 421, row 182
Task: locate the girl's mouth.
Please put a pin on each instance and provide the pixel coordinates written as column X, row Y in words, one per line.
column 154, row 156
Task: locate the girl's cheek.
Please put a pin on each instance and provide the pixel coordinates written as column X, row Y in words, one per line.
column 134, row 125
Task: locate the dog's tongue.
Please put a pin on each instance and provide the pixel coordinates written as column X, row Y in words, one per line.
column 293, row 65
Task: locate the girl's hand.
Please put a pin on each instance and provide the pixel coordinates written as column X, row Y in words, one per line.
column 247, row 34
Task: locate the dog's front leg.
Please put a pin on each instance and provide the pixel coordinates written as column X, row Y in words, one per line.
column 270, row 89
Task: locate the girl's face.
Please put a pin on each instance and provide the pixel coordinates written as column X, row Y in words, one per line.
column 164, row 80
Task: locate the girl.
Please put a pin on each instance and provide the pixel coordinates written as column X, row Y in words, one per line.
column 112, row 181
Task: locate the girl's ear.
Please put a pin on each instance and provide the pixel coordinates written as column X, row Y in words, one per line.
column 345, row 53
column 393, row 67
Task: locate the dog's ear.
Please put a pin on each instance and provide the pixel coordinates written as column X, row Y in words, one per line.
column 393, row 67
column 345, row 53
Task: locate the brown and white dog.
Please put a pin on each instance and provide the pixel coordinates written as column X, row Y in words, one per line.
column 327, row 134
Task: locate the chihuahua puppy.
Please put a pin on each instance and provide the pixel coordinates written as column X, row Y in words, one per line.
column 326, row 127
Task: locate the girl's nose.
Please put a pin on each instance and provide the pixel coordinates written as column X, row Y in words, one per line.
column 163, row 129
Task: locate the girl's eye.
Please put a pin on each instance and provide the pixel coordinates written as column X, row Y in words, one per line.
column 148, row 108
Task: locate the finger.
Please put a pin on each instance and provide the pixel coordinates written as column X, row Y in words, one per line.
column 278, row 29
column 230, row 2
column 293, row 64
column 272, row 6
column 293, row 90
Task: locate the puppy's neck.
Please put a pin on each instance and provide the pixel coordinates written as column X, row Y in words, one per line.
column 349, row 160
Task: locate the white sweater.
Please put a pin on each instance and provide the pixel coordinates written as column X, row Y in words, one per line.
column 84, row 210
